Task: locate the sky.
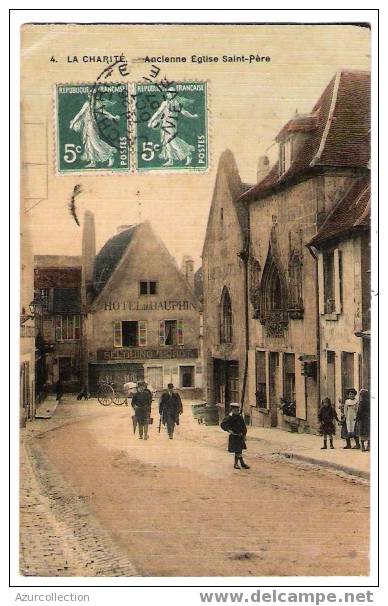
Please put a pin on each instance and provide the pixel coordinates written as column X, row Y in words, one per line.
column 247, row 106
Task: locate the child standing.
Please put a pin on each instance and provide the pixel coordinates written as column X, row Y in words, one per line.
column 235, row 425
column 327, row 415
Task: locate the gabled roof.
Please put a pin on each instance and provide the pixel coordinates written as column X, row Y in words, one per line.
column 337, row 135
column 350, row 215
column 227, row 168
column 109, row 257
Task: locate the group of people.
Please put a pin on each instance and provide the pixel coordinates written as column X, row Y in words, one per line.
column 170, row 408
column 354, row 420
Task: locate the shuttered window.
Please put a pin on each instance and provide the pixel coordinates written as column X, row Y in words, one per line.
column 142, row 334
column 162, row 333
column 180, row 332
column 117, row 334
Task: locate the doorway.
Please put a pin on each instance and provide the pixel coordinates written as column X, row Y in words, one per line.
column 155, row 377
column 347, row 372
column 273, row 386
column 330, row 376
column 226, row 383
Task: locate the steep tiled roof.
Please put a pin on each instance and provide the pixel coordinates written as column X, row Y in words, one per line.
column 67, row 300
column 109, row 257
column 352, row 213
column 337, row 136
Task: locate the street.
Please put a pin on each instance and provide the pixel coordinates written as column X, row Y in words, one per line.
column 111, row 504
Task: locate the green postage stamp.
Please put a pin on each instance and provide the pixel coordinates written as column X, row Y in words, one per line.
column 123, row 127
column 171, row 126
column 92, row 127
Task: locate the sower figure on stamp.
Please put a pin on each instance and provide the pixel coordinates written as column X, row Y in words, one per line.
column 327, row 415
column 170, row 407
column 166, row 118
column 95, row 149
column 141, row 404
column 235, row 425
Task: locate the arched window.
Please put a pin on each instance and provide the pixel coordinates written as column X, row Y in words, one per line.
column 226, row 317
column 273, row 298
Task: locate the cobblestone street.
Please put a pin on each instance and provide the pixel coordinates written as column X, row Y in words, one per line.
column 96, row 501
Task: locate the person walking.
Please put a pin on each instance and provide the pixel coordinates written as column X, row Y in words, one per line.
column 59, row 390
column 327, row 415
column 349, row 419
column 235, row 425
column 141, row 404
column 170, row 407
column 363, row 420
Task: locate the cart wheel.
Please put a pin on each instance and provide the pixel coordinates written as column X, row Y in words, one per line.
column 105, row 395
column 119, row 399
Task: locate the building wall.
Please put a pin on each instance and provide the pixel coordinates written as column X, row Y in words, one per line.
column 293, row 216
column 27, row 329
column 147, row 260
column 223, row 268
column 337, row 330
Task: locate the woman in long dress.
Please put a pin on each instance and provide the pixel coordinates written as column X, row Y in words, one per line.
column 95, row 149
column 173, row 148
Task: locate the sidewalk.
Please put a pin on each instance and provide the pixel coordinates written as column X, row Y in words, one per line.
column 307, row 448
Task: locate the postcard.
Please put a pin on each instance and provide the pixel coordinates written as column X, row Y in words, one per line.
column 195, row 377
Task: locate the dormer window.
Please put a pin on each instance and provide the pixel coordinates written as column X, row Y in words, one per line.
column 285, row 155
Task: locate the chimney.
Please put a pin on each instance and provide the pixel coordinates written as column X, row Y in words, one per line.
column 88, row 253
column 262, row 168
column 188, row 269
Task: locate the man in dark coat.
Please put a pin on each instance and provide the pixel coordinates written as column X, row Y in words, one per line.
column 170, row 407
column 141, row 404
column 235, row 425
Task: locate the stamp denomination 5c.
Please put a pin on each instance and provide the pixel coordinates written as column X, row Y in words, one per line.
column 92, row 127
column 171, row 125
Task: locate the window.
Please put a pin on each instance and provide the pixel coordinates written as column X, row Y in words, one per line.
column 67, row 328
column 186, row 376
column 285, row 156
column 289, row 377
column 171, row 332
column 43, row 296
column 148, row 288
column 130, row 334
column 226, row 320
column 261, row 382
column 332, row 282
column 328, row 282
column 295, row 276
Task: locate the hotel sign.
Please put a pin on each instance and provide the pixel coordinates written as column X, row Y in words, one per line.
column 148, row 306
column 144, row 353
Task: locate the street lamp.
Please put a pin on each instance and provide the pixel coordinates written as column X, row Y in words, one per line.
column 36, row 308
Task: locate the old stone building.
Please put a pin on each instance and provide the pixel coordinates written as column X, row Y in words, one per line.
column 143, row 317
column 224, row 283
column 58, row 287
column 27, row 328
column 320, row 155
column 342, row 249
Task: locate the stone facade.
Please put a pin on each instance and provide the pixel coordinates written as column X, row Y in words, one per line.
column 27, row 328
column 281, row 226
column 144, row 319
column 58, row 284
column 223, row 277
